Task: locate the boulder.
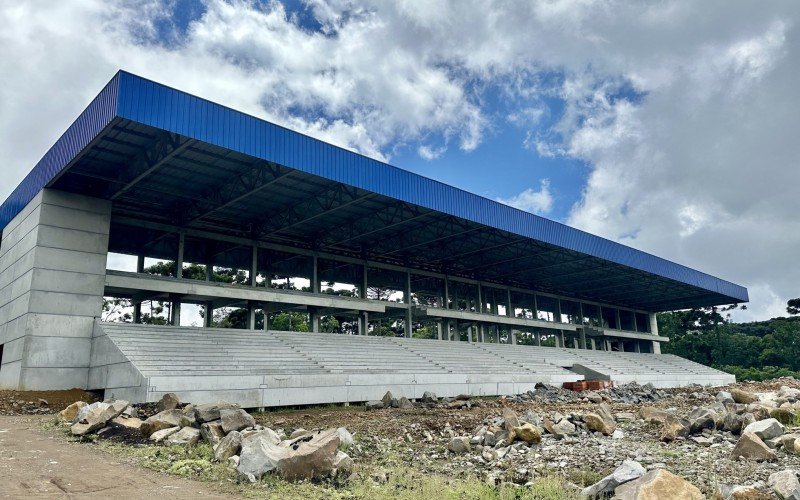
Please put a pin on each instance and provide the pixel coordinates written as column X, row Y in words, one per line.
column 429, row 397
column 563, row 428
column 189, row 419
column 299, row 432
column 210, row 411
column 526, row 432
column 658, row 484
column 601, row 421
column 162, row 420
column 459, row 444
column 724, row 397
column 404, row 403
column 785, row 485
column 787, row 392
column 701, row 418
column 373, row 405
column 788, row 441
column 510, row 418
column 743, row 397
column 674, row 428
column 188, row 436
column 129, row 423
column 766, row 429
column 69, row 413
column 628, row 471
column 84, row 410
column 751, row 447
column 734, row 423
column 783, row 415
column 307, row 458
column 653, row 415
column 212, row 432
column 159, row 436
column 168, row 401
column 747, row 493
column 387, row 399
column 228, row 446
column 345, row 438
column 342, row 464
column 98, row 417
column 235, row 419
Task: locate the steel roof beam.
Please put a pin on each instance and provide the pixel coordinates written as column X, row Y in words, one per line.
column 153, row 156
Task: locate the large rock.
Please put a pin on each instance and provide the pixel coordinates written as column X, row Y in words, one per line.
column 658, row 484
column 628, row 471
column 387, row 399
column 69, row 413
column 734, row 422
column 563, row 428
column 98, row 417
column 129, row 423
column 526, row 432
column 510, row 418
column 212, row 432
column 429, row 397
column 188, row 436
column 162, row 420
column 788, row 441
column 373, row 405
column 743, row 397
column 168, row 401
column 342, row 464
column 785, row 485
column 766, row 429
column 210, row 411
column 751, row 447
column 783, row 415
column 459, row 444
column 674, row 428
column 701, row 418
column 345, row 438
column 724, row 397
column 228, row 446
column 235, row 419
column 601, row 421
column 309, row 457
column 160, row 436
column 653, row 415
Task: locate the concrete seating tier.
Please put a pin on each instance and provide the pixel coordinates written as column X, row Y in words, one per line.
column 258, row 369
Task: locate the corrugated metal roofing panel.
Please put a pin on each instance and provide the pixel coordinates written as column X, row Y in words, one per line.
column 158, row 106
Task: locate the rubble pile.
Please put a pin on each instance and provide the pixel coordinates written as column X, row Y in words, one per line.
column 235, row 437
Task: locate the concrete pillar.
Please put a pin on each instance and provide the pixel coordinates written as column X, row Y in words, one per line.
column 314, row 275
column 514, row 337
column 456, row 333
column 583, row 339
column 446, row 293
column 654, row 331
column 480, row 299
column 439, row 330
column 251, row 315
column 496, row 334
column 363, row 323
column 137, row 307
column 179, row 260
column 364, row 283
column 592, row 344
column 538, row 339
column 254, row 266
column 52, row 277
column 407, row 299
column 638, row 347
column 175, row 310
column 509, row 311
column 266, row 317
column 313, row 317
column 209, row 314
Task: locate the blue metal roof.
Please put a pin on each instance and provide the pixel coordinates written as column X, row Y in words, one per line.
column 130, row 97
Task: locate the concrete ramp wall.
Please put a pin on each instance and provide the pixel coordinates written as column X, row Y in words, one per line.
column 261, row 369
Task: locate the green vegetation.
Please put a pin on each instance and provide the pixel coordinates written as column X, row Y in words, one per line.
column 751, row 351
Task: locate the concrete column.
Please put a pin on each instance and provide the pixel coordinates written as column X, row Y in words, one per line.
column 314, row 275
column 266, row 317
column 364, row 282
column 52, row 278
column 137, row 307
column 175, row 310
column 439, row 330
column 251, row 315
column 179, row 260
column 509, row 311
column 469, row 334
column 592, row 344
column 254, row 266
column 313, row 317
column 654, row 331
column 209, row 314
column 539, row 339
column 456, row 334
column 407, row 299
column 496, row 334
column 446, row 293
column 583, row 339
column 480, row 299
column 560, row 337
column 514, row 337
column 363, row 323
column 638, row 347
column 621, row 345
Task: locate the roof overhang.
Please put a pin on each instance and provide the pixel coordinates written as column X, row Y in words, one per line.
column 171, row 158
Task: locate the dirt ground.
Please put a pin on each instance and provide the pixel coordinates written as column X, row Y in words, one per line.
column 40, row 402
column 34, row 464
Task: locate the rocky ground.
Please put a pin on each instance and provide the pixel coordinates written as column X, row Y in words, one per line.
column 549, row 443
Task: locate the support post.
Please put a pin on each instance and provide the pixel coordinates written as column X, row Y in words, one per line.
column 407, row 300
column 254, row 266
column 179, row 260
column 313, row 317
column 513, row 336
column 315, row 288
column 509, row 311
column 654, row 331
column 364, row 283
column 446, row 293
column 363, row 323
column 439, row 330
column 137, row 307
column 251, row 315
column 538, row 339
column 209, row 314
column 583, row 339
column 176, row 310
column 265, row 308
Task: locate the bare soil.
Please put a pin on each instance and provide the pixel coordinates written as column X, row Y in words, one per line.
column 33, row 463
column 40, row 402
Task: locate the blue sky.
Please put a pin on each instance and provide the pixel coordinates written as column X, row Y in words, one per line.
column 666, row 126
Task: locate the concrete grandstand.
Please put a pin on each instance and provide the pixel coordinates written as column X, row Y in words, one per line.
column 507, row 299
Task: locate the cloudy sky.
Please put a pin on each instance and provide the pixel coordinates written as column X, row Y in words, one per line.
column 669, row 126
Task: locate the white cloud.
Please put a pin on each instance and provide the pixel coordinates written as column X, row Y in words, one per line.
column 684, row 112
column 538, row 202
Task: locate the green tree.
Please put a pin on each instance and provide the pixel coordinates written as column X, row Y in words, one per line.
column 793, row 306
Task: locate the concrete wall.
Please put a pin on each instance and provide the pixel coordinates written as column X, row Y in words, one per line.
column 52, row 275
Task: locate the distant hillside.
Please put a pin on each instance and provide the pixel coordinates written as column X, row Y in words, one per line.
column 751, row 351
